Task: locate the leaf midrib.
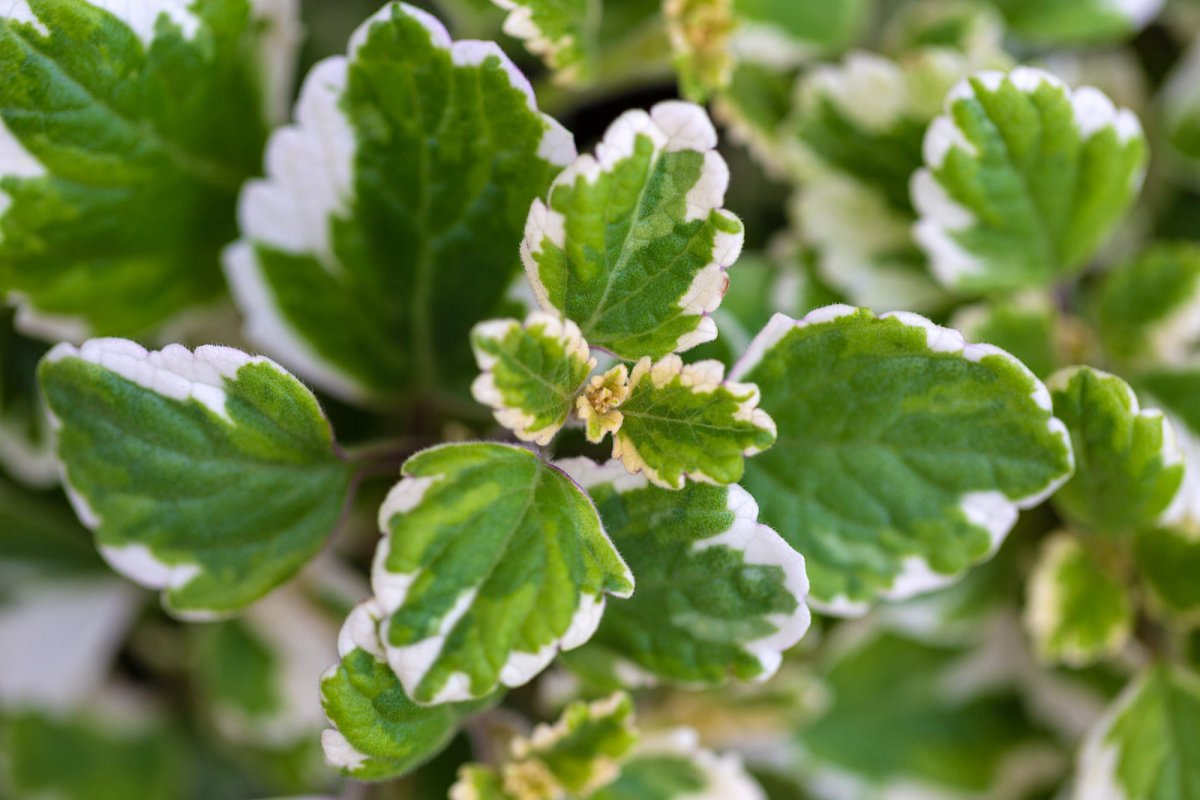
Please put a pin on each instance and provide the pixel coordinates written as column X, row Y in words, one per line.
column 225, row 178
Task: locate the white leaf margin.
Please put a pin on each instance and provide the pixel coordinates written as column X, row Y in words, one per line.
column 940, row 217
column 702, row 377
column 758, row 544
column 725, row 774
column 520, row 24
column 174, row 373
column 990, row 510
column 1173, row 450
column 412, row 662
column 279, row 47
column 671, row 126
column 484, row 388
column 360, row 631
column 1043, row 616
column 1099, row 757
column 309, row 183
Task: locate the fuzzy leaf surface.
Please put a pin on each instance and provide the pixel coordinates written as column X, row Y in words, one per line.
column 719, row 594
column 684, row 422
column 632, row 244
column 210, row 475
column 126, row 130
column 1024, row 179
column 389, row 220
column 492, row 560
column 904, row 453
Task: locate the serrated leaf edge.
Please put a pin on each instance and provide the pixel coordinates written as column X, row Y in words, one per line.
column 484, row 388
column 990, row 510
column 519, row 24
column 310, row 172
column 940, row 217
column 412, row 662
column 175, row 373
column 702, row 377
column 758, row 543
column 278, row 49
column 672, row 126
column 360, row 631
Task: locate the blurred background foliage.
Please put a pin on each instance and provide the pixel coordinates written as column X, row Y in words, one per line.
column 942, row 691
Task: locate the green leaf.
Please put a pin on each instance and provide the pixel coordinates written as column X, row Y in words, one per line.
column 1075, row 22
column 1148, row 744
column 126, row 131
column 904, row 452
column 1128, row 467
column 753, row 108
column 88, row 759
column 973, row 27
column 1181, row 107
column 719, row 594
column 862, row 122
column 256, row 674
column 378, row 732
column 1149, row 310
column 689, row 422
column 26, row 443
column 531, row 372
column 583, row 748
column 671, row 765
column 1024, row 179
column 795, row 31
column 892, row 720
column 633, row 244
column 1176, row 390
column 699, row 32
column 210, row 475
column 40, row 536
column 864, row 248
column 1077, row 611
column 583, row 41
column 865, row 118
column 492, row 561
column 574, row 757
column 1168, row 560
column 1028, row 326
column 391, row 215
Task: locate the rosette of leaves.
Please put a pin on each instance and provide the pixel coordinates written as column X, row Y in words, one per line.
column 631, row 249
